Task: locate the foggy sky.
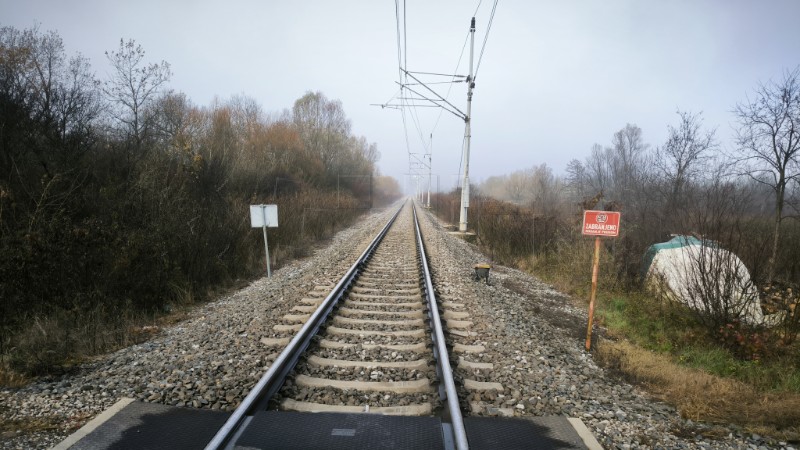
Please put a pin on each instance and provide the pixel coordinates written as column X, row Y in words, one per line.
column 556, row 76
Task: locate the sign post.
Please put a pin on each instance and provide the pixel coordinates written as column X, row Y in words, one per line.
column 597, row 224
column 263, row 216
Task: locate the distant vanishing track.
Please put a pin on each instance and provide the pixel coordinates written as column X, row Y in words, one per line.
column 383, row 351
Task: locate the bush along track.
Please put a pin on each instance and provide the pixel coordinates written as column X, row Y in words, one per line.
column 527, row 329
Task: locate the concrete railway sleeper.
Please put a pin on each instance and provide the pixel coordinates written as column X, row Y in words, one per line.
column 373, row 343
column 361, row 362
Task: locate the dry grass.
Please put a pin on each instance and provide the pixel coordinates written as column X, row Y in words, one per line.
column 10, row 378
column 704, row 397
column 13, row 427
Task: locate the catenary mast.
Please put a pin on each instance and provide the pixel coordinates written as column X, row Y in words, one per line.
column 462, row 225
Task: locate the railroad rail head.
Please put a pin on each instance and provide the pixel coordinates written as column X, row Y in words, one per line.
column 258, row 399
column 255, row 424
column 273, row 379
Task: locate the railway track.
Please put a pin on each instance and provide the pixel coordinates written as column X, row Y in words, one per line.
column 373, row 343
column 375, row 354
column 361, row 363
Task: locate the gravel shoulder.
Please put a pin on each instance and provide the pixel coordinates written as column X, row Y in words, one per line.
column 213, row 358
column 535, row 339
column 210, row 360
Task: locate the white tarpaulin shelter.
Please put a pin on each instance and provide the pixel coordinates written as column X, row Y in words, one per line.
column 703, row 276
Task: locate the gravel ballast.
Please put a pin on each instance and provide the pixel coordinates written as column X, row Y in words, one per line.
column 213, row 358
column 535, row 339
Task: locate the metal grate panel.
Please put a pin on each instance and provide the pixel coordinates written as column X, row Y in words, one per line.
column 493, row 433
column 334, row 431
column 154, row 426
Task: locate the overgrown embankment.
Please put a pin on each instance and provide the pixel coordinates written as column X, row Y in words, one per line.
column 711, row 370
column 120, row 205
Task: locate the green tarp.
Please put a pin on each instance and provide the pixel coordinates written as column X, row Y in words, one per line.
column 675, row 242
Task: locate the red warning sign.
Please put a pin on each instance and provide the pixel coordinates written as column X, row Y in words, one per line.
column 601, row 223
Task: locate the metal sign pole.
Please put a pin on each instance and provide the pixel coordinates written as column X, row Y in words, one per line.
column 266, row 244
column 595, row 267
column 258, row 218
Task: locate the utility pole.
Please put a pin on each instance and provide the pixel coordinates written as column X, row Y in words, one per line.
column 430, row 163
column 462, row 225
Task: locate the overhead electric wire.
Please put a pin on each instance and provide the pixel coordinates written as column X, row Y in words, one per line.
column 408, row 105
column 435, row 82
column 485, row 38
column 457, row 112
column 439, row 74
column 406, row 102
column 419, row 98
column 414, row 112
column 415, row 118
column 393, row 96
column 477, row 8
column 405, row 37
column 447, row 95
column 460, row 113
column 400, row 54
column 461, row 161
column 405, row 128
column 404, row 81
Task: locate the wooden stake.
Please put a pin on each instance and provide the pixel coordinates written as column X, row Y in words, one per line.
column 595, row 267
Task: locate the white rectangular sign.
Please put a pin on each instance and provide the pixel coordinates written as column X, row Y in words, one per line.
column 261, row 213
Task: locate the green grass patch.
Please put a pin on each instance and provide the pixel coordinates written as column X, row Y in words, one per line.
column 669, row 329
column 771, row 374
column 615, row 315
column 640, row 320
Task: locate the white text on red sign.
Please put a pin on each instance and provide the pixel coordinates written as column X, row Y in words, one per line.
column 601, row 223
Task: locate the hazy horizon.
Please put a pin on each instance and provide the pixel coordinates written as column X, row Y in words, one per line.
column 555, row 78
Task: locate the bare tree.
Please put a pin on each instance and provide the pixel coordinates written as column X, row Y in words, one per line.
column 47, row 111
column 133, row 85
column 171, row 114
column 517, row 186
column 681, row 158
column 576, row 177
column 717, row 281
column 545, row 190
column 769, row 143
column 598, row 169
column 58, row 91
column 323, row 127
column 247, row 116
column 793, row 197
column 626, row 159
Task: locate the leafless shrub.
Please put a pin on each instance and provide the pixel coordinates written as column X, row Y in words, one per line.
column 103, row 218
column 706, row 272
column 783, row 301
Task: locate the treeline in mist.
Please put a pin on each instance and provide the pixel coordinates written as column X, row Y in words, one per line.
column 119, row 196
column 743, row 197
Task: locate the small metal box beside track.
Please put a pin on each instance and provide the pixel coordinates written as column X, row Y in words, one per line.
column 482, row 272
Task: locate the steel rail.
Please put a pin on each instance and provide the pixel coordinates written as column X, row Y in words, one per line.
column 271, row 382
column 440, row 348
